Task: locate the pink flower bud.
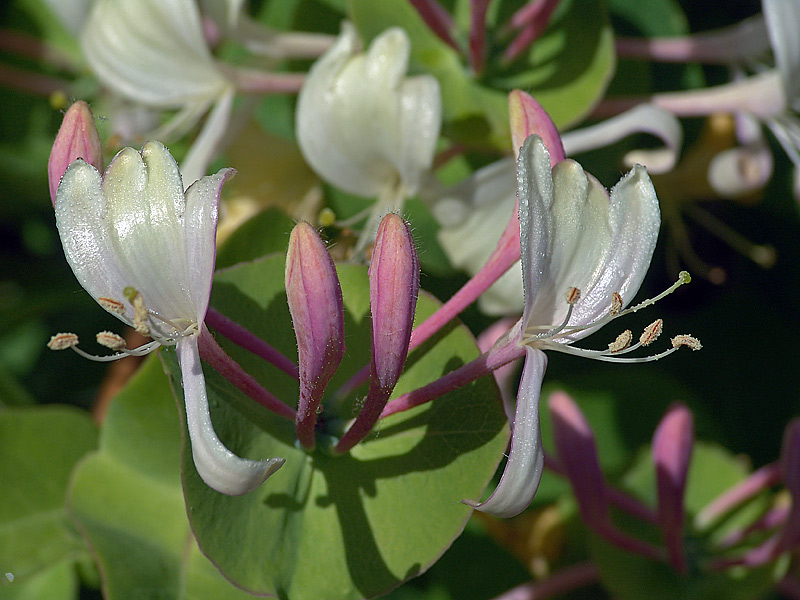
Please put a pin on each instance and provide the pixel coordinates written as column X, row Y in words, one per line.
column 527, row 118
column 77, row 138
column 393, row 288
column 315, row 302
column 790, row 466
column 577, row 453
column 672, row 451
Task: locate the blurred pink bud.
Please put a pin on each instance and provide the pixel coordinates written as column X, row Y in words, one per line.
column 577, row 453
column 527, row 118
column 393, row 289
column 790, row 466
column 315, row 302
column 672, row 452
column 77, row 138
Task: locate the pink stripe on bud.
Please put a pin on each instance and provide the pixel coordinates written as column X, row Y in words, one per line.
column 76, row 138
column 393, row 288
column 527, row 118
column 672, row 452
column 315, row 302
column 577, row 454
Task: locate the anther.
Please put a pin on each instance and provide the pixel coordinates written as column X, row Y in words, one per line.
column 111, row 305
column 651, row 332
column 572, row 296
column 140, row 314
column 623, row 341
column 111, row 340
column 62, row 341
column 686, row 340
column 616, row 304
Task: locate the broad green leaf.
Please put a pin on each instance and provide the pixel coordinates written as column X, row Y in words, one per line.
column 634, row 577
column 39, row 448
column 353, row 526
column 265, row 233
column 127, row 497
column 56, row 582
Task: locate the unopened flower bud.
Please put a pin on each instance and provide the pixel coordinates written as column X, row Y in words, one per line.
column 77, row 138
column 393, row 289
column 315, row 302
column 528, row 117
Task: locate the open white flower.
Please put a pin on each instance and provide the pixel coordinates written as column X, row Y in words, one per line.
column 145, row 251
column 363, row 125
column 584, row 256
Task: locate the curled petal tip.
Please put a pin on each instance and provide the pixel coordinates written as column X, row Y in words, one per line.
column 528, row 117
column 315, row 303
column 76, row 138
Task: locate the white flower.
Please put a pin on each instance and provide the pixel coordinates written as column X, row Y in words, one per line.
column 363, row 125
column 145, row 251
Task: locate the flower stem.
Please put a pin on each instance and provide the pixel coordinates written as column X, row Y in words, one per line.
column 483, row 365
column 249, row 341
column 214, row 355
column 758, row 481
column 437, row 19
column 564, row 581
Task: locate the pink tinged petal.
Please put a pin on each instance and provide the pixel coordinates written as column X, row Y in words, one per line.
column 672, row 452
column 393, row 289
column 790, row 466
column 577, row 453
column 220, row 468
column 76, row 138
column 523, row 471
column 315, row 302
column 527, row 118
column 641, row 119
column 200, row 226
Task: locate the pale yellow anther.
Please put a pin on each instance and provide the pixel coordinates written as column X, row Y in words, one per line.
column 684, row 277
column 623, row 341
column 111, row 305
column 111, row 340
column 616, row 304
column 326, row 217
column 62, row 341
column 651, row 332
column 140, row 315
column 686, row 340
column 572, row 296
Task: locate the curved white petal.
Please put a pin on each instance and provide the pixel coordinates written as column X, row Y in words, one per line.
column 71, row 13
column 740, row 171
column 523, row 471
column 220, row 468
column 361, row 124
column 200, row 229
column 207, row 144
column 583, row 238
column 85, row 233
column 151, row 51
column 644, row 118
column 783, row 17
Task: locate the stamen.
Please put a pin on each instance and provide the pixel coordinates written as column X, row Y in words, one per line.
column 623, row 341
column 111, row 305
column 111, row 340
column 140, row 351
column 572, row 296
column 62, row 341
column 616, row 304
column 140, row 312
column 651, row 332
column 686, row 340
column 683, row 277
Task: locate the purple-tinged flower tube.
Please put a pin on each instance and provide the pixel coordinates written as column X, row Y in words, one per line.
column 672, row 451
column 77, row 138
column 315, row 302
column 790, row 466
column 393, row 289
column 528, row 117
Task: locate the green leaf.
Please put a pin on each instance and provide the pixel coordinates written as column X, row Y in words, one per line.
column 357, row 525
column 56, row 582
column 127, row 497
column 38, row 449
column 265, row 233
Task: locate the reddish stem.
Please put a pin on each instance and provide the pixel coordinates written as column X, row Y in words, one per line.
column 437, row 18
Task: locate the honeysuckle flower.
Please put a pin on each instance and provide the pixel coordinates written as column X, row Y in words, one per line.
column 474, row 213
column 144, row 250
column 76, row 138
column 584, row 256
column 364, row 125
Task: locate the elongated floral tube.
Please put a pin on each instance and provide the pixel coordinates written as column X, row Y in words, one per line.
column 76, row 138
column 672, row 451
column 315, row 302
column 393, row 289
column 790, row 466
